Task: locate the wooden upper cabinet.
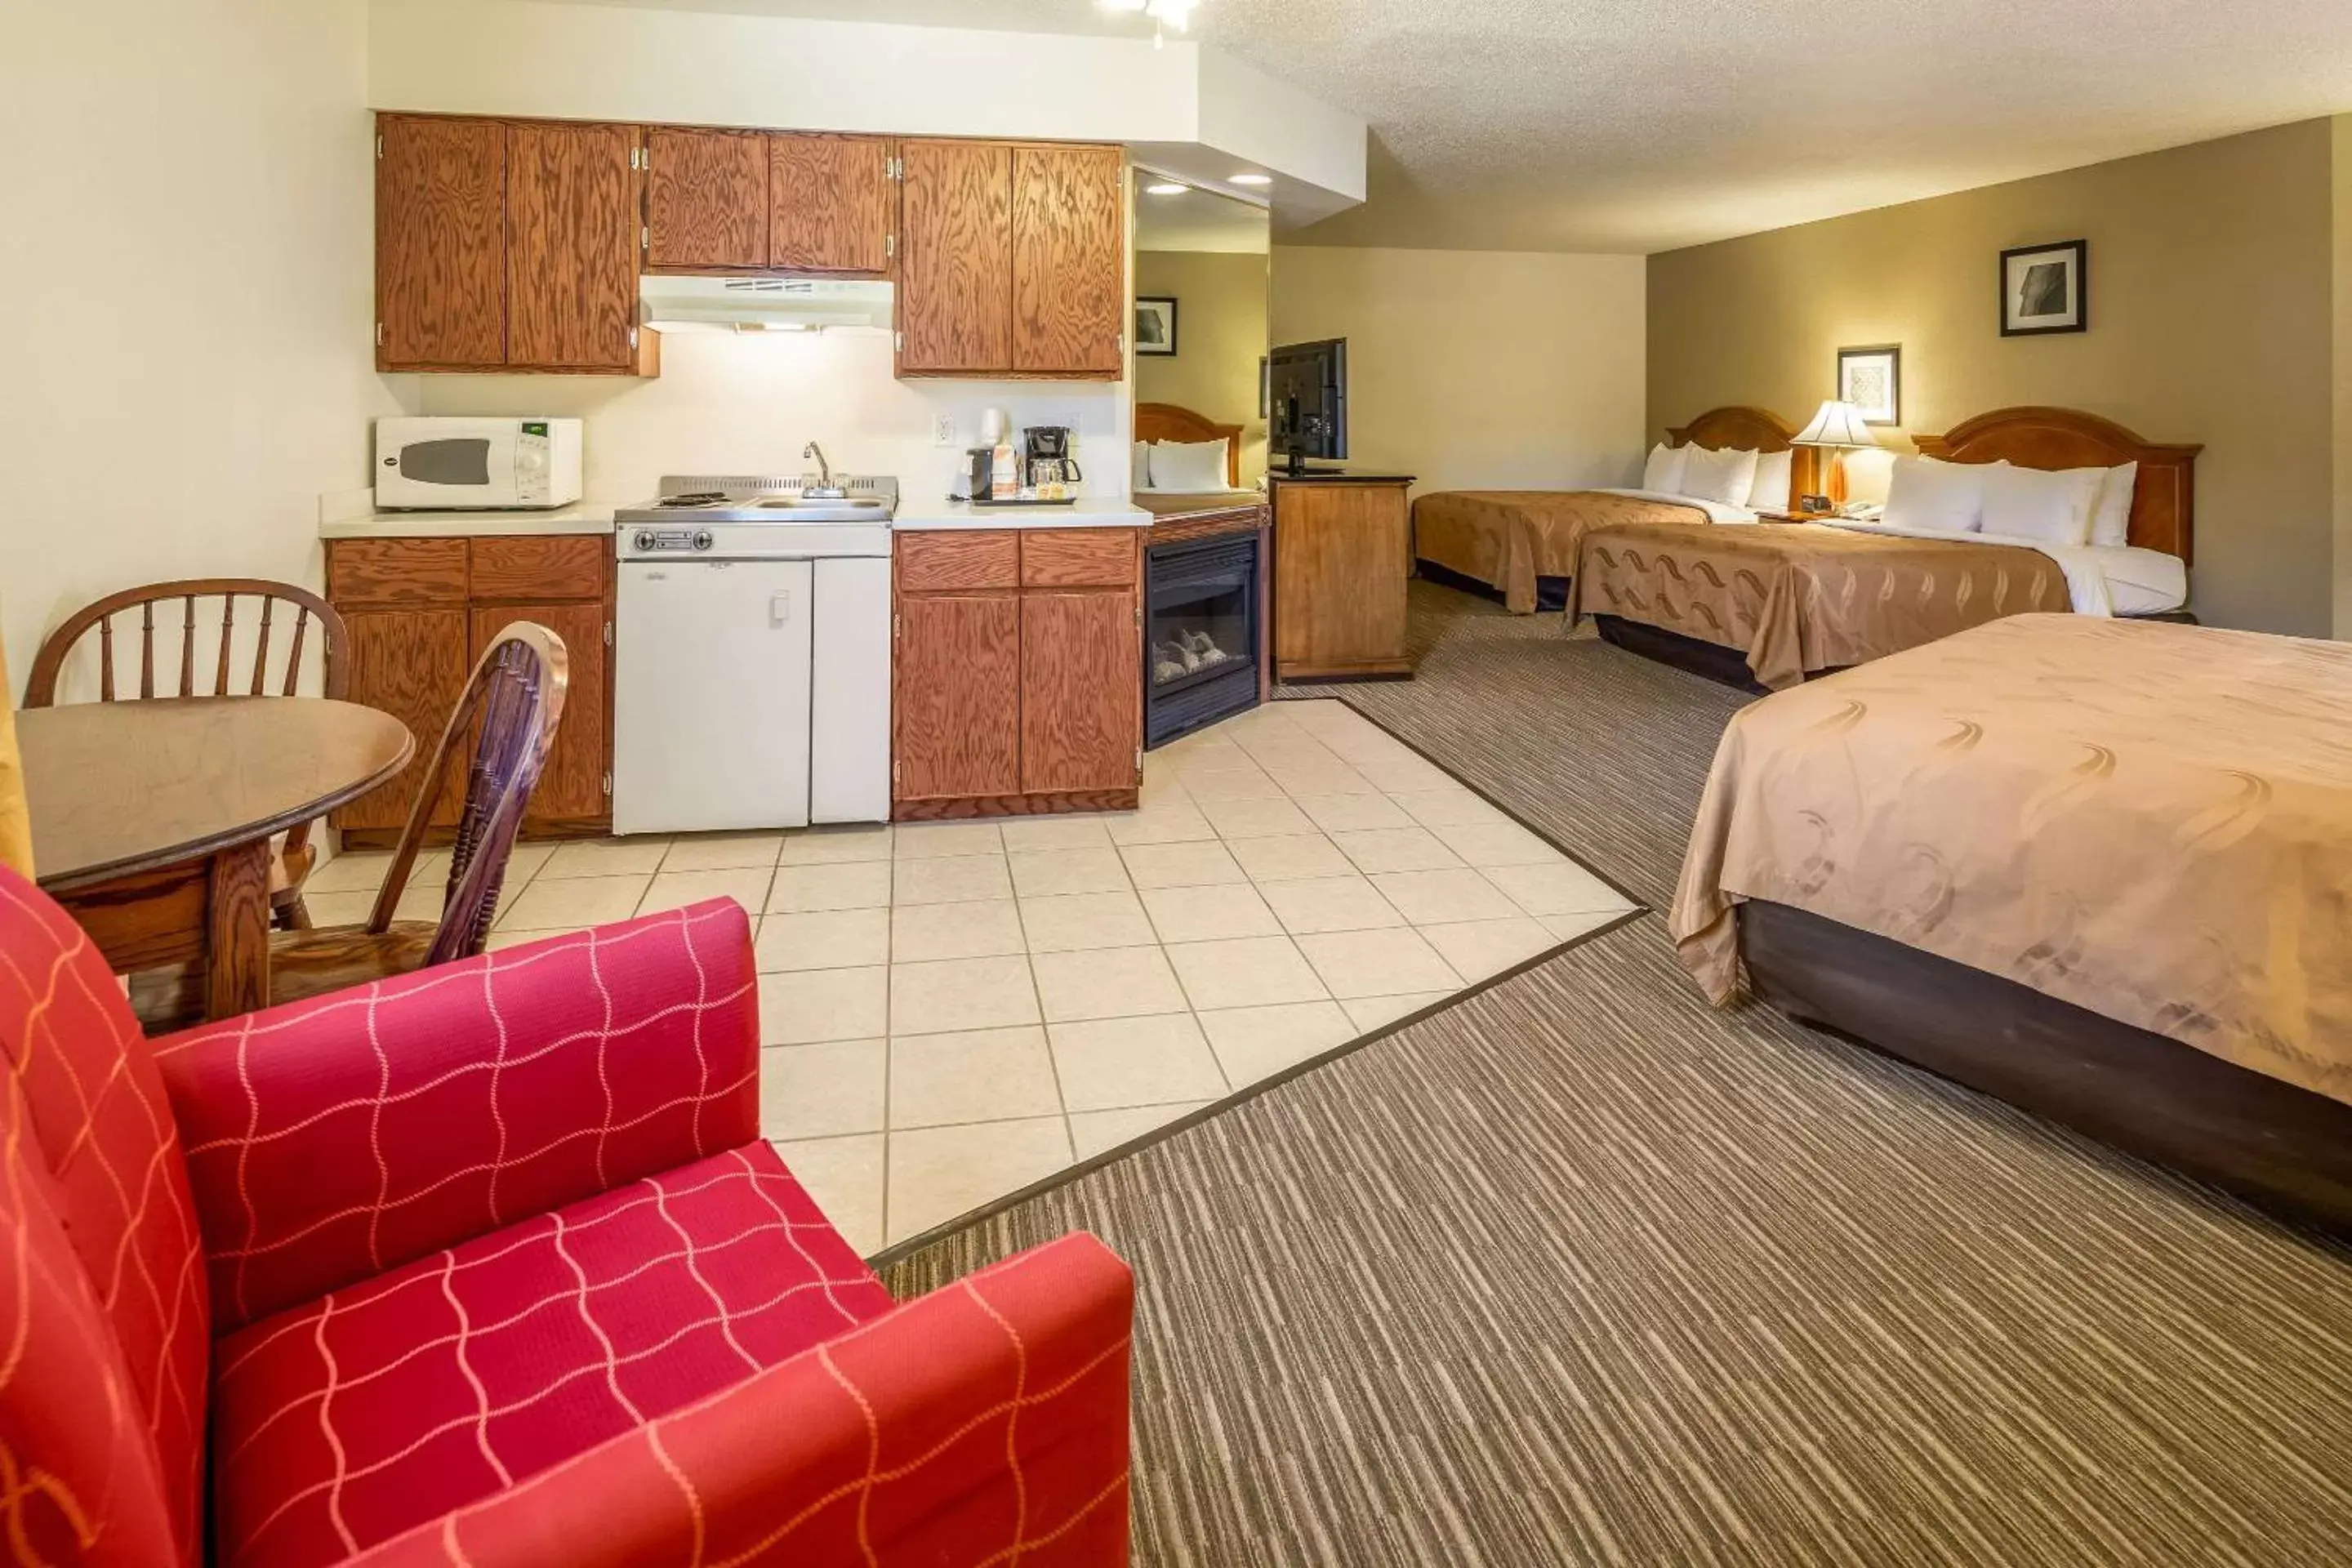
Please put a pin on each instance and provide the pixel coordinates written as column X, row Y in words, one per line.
column 572, row 247
column 706, row 199
column 829, row 203
column 955, row 263
column 1069, row 260
column 440, row 232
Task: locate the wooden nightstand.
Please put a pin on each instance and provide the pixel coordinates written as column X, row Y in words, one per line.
column 1793, row 516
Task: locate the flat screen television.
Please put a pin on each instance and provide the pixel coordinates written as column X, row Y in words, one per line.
column 1306, row 386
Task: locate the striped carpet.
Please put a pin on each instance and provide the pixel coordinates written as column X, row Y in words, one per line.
column 1580, row 1271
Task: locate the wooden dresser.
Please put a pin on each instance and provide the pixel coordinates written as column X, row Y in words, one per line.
column 1342, row 554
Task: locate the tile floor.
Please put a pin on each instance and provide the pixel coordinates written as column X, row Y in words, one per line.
column 954, row 1011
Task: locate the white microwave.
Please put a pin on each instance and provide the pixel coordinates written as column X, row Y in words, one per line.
column 477, row 465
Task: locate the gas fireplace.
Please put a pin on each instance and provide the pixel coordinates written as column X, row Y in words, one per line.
column 1202, row 631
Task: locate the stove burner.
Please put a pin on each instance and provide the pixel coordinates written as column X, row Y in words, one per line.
column 694, row 498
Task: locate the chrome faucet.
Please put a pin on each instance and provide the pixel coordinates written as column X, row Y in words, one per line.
column 825, row 489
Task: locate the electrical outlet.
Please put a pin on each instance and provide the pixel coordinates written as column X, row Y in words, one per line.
column 943, row 430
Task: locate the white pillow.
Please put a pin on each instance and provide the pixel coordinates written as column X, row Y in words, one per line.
column 1139, row 467
column 2111, row 513
column 1947, row 498
column 1726, row 476
column 1189, row 467
column 1664, row 471
column 1776, row 474
column 2039, row 503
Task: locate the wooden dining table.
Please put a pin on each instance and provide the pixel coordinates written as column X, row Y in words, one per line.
column 153, row 820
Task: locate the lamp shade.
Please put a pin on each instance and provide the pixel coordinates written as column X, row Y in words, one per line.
column 1837, row 424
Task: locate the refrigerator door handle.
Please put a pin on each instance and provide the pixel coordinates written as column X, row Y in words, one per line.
column 780, row 608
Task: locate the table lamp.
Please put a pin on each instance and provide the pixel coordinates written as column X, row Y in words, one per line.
column 1838, row 427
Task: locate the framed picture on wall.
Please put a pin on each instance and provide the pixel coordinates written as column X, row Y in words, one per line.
column 1155, row 326
column 1872, row 379
column 2045, row 288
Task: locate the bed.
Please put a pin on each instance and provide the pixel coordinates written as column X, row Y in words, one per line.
column 1769, row 606
column 2097, row 867
column 1523, row 544
column 1169, row 422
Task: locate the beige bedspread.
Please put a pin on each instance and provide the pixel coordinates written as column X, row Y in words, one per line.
column 2151, row 821
column 1802, row 597
column 1508, row 539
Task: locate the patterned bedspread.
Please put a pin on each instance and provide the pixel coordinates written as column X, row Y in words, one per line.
column 1508, row 539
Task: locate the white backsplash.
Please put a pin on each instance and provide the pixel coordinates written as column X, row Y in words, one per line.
column 750, row 402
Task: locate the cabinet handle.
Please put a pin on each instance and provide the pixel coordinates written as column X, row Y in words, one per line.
column 780, row 607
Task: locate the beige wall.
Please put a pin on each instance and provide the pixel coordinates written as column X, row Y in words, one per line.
column 1478, row 370
column 194, row 369
column 2211, row 314
column 2343, row 138
column 1221, row 335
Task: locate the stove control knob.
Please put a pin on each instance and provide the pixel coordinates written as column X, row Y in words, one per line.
column 644, row 541
column 702, row 538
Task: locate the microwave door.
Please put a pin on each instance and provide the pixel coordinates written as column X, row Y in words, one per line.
column 461, row 462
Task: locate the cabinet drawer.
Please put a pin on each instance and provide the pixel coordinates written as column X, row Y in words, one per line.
column 396, row 571
column 952, row 560
column 1078, row 558
column 562, row 566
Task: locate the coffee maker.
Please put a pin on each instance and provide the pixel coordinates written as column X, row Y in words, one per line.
column 1049, row 461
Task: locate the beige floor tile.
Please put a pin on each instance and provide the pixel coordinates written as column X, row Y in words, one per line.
column 1252, row 782
column 676, row 889
column 360, row 873
column 844, row 1176
column 1353, row 813
column 1567, row 928
column 1563, row 889
column 1167, row 820
column 939, row 1173
column 1209, row 914
column 1477, row 950
column 1207, row 752
column 1253, row 1043
column 1291, row 858
column 1106, row 982
column 1255, row 819
column 961, row 993
column 950, row 880
column 1329, row 903
column 928, row 933
column 855, row 885
column 823, row 1091
column 828, row 939
column 834, row 845
column 1400, row 775
column 605, row 857
column 568, row 903
column 340, row 909
column 1053, row 873
column 1032, row 832
column 1395, row 849
column 1444, row 897
column 1436, row 808
column 924, row 840
column 1498, row 844
column 1181, row 865
column 1094, row 1132
column 1370, row 1013
column 812, row 1007
column 1376, row 963
column 502, row 940
column 524, row 861
column 1115, row 1062
column 1247, row 972
column 1084, row 921
column 722, row 851
column 985, row 1075
column 1334, row 778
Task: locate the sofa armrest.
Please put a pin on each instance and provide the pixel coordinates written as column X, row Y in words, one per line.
column 333, row 1139
column 985, row 1422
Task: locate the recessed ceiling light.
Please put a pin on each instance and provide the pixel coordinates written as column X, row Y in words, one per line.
column 1252, row 179
column 1165, row 189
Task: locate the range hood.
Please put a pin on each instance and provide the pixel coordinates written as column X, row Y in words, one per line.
column 761, row 304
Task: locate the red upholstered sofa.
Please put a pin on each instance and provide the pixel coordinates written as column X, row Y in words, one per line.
column 490, row 1266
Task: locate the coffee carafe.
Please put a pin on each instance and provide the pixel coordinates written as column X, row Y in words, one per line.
column 1049, row 459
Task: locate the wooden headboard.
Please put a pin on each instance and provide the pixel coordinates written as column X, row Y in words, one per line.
column 2164, row 500
column 1166, row 421
column 1747, row 429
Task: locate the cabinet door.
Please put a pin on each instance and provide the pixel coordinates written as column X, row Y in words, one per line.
column 572, row 248
column 440, row 243
column 955, row 268
column 1069, row 260
column 707, row 199
column 412, row 664
column 572, row 786
column 1081, row 692
column 957, row 696
column 829, row 203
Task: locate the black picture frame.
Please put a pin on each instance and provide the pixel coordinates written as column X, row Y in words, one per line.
column 1144, row 346
column 2074, row 258
column 1893, row 354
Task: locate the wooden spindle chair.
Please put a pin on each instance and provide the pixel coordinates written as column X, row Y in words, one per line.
column 512, row 704
column 295, row 856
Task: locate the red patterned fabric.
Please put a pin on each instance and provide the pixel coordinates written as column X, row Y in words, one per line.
column 102, row 1313
column 333, row 1139
column 346, row 1422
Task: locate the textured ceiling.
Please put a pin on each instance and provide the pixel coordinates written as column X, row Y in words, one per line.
column 1646, row 124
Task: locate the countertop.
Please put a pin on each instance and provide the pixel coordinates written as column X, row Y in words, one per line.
column 468, row 524
column 1091, row 511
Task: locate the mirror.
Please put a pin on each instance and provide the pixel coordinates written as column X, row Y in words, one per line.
column 1202, row 303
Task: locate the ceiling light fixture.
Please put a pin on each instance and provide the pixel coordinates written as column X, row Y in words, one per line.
column 1252, row 179
column 1166, row 188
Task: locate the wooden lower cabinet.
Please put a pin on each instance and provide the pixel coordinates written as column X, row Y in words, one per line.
column 572, row 788
column 1342, row 557
column 413, row 664
column 1025, row 695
